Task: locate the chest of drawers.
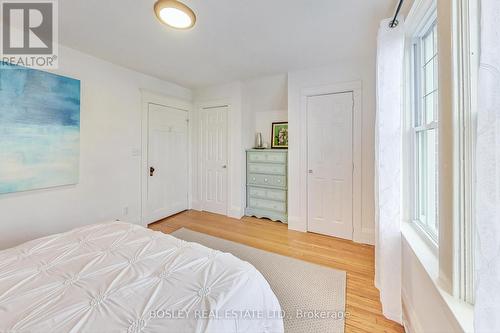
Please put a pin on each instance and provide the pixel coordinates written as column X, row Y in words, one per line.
column 267, row 184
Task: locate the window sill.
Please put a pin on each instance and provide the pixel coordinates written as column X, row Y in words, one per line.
column 427, row 256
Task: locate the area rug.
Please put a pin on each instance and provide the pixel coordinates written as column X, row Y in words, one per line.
column 311, row 296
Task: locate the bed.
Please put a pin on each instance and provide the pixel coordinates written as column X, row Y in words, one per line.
column 118, row 277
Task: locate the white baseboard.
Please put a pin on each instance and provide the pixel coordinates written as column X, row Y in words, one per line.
column 296, row 223
column 410, row 319
column 364, row 237
column 195, row 205
column 235, row 213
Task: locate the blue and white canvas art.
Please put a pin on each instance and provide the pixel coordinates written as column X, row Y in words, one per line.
column 39, row 129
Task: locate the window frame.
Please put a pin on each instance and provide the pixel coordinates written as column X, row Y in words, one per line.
column 416, row 77
column 465, row 67
column 452, row 264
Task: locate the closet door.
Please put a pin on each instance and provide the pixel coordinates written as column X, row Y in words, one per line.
column 214, row 147
column 167, row 191
column 330, row 164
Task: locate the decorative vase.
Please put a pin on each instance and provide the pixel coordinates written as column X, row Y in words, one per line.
column 258, row 140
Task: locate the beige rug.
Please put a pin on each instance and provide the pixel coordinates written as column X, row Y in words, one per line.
column 312, row 296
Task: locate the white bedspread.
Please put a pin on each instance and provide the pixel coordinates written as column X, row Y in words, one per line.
column 118, row 277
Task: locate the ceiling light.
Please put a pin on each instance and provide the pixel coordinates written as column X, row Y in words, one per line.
column 175, row 14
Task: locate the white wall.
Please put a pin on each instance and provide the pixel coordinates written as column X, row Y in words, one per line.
column 109, row 173
column 424, row 308
column 252, row 105
column 354, row 69
column 266, row 101
column 264, row 120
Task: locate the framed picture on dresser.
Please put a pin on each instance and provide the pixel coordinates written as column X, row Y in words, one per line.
column 279, row 139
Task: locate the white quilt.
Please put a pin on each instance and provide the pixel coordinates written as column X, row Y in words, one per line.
column 118, row 277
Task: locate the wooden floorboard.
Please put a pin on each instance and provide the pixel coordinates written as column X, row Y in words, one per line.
column 362, row 298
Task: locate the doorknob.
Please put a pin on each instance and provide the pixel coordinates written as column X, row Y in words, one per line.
column 151, row 171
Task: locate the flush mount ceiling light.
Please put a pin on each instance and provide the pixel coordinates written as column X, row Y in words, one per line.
column 175, row 14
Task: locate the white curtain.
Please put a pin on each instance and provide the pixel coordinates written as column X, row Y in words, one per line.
column 487, row 305
column 388, row 165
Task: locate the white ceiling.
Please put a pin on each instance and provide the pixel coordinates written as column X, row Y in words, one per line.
column 232, row 40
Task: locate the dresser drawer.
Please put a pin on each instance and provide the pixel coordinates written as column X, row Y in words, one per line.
column 266, row 157
column 273, row 169
column 267, row 205
column 267, row 180
column 267, row 193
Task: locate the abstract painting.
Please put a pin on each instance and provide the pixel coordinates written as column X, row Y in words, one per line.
column 39, row 129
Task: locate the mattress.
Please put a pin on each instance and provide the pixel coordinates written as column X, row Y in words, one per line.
column 118, row 277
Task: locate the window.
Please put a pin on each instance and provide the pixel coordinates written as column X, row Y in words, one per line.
column 425, row 117
column 455, row 120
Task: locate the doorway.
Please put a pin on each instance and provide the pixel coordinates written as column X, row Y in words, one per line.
column 165, row 167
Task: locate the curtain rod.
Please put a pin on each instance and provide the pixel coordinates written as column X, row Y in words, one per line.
column 394, row 23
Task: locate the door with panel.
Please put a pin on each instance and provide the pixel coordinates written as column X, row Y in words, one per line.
column 214, row 156
column 330, row 164
column 167, row 185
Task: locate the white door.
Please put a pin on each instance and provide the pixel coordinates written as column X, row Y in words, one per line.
column 214, row 145
column 167, row 185
column 330, row 164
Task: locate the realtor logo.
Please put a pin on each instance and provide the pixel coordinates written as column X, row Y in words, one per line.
column 29, row 33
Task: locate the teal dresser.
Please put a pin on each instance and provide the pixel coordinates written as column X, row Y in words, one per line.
column 267, row 184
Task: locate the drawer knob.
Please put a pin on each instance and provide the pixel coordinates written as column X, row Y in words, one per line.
column 265, row 179
column 279, row 180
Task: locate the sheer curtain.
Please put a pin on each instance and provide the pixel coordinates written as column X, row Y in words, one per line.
column 388, row 168
column 487, row 305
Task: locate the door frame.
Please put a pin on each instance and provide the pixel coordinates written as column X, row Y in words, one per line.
column 201, row 108
column 355, row 87
column 148, row 97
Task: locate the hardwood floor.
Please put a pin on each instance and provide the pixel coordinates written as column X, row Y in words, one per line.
column 363, row 301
